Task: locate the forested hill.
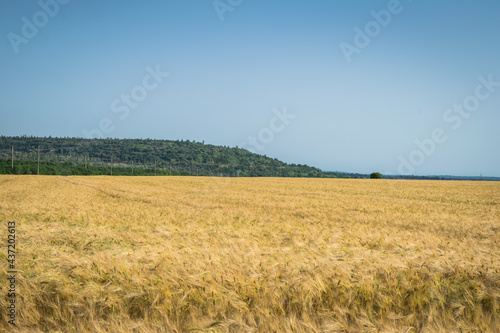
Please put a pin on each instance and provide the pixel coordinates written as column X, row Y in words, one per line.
column 138, row 156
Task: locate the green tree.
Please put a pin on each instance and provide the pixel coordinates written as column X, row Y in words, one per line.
column 376, row 175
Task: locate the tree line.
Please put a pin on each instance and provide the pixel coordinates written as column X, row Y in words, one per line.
column 77, row 156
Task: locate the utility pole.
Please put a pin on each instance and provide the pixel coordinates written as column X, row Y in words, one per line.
column 170, row 167
column 111, row 165
column 85, row 161
column 132, row 167
column 155, row 167
column 38, row 166
column 12, row 157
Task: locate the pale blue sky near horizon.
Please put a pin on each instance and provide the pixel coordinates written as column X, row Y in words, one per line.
column 386, row 106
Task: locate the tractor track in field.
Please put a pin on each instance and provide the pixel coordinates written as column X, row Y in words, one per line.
column 110, row 194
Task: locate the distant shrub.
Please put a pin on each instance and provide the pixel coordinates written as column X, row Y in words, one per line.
column 376, row 175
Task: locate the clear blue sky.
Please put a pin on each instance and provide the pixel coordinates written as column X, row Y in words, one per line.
column 348, row 101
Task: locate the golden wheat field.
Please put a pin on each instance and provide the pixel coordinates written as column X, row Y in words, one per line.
column 197, row 254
